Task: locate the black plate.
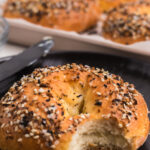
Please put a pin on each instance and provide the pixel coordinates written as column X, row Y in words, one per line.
column 133, row 71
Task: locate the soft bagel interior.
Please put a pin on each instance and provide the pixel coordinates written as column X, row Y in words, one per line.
column 100, row 134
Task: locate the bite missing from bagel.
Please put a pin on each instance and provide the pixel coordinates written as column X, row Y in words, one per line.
column 72, row 107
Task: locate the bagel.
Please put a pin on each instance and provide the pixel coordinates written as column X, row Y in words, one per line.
column 70, row 15
column 128, row 23
column 72, row 107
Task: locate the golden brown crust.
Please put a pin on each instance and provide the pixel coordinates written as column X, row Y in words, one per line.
column 128, row 23
column 67, row 15
column 44, row 109
column 107, row 5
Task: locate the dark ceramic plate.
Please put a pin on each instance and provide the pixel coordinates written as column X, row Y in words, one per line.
column 133, row 71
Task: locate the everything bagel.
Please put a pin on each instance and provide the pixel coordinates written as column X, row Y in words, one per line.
column 128, row 23
column 72, row 107
column 67, row 15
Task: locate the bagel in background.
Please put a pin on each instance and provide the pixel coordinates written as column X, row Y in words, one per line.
column 69, row 15
column 72, row 107
column 128, row 23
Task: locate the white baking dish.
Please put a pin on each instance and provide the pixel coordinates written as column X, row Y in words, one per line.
column 23, row 32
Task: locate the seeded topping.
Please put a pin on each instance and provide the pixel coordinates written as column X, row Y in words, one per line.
column 68, row 15
column 52, row 102
column 98, row 103
column 38, row 8
column 131, row 20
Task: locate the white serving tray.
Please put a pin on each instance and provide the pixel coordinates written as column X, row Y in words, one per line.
column 23, row 32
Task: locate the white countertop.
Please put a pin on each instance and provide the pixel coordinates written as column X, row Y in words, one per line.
column 10, row 49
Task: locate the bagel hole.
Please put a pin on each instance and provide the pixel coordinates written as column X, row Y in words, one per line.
column 74, row 105
column 99, row 135
column 81, row 108
column 76, row 109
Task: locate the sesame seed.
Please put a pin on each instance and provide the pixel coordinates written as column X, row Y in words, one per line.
column 19, row 140
column 2, row 125
column 99, row 93
column 120, row 125
column 41, row 90
column 53, row 146
column 36, row 137
column 35, row 91
column 27, row 135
